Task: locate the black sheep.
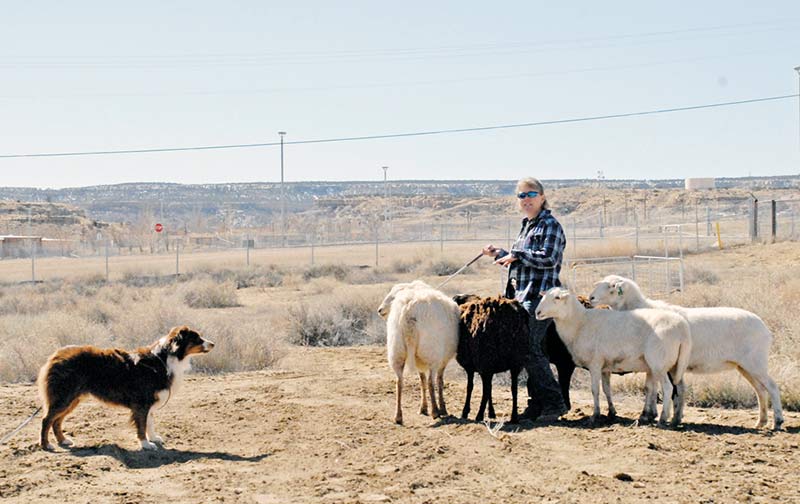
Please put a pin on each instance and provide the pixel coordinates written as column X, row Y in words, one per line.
column 552, row 346
column 493, row 337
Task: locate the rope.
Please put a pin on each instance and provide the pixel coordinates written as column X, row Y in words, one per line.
column 462, row 268
column 23, row 424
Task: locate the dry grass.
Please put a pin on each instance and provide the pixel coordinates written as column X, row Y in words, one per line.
column 208, row 293
column 349, row 319
column 333, row 303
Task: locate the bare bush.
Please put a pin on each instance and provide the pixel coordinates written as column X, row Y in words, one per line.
column 238, row 347
column 403, row 265
column 29, row 339
column 441, row 267
column 701, row 275
column 242, row 278
column 365, row 276
column 349, row 321
column 206, row 293
column 338, row 271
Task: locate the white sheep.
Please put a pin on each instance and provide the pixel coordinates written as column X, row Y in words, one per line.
column 722, row 338
column 605, row 341
column 421, row 330
column 383, row 309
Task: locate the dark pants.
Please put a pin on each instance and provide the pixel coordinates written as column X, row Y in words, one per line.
column 544, row 393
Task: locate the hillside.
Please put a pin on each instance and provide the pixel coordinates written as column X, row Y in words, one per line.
column 256, row 204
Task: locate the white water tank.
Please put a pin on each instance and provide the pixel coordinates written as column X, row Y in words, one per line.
column 693, row 184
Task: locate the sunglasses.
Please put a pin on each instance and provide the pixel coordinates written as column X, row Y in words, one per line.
column 529, row 194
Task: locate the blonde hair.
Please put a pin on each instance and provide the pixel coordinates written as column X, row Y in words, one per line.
column 534, row 184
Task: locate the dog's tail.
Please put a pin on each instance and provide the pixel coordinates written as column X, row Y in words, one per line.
column 42, row 382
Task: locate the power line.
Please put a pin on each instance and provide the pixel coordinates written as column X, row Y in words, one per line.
column 376, row 85
column 408, row 134
column 414, row 53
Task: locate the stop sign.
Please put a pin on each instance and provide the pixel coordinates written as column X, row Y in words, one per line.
column 159, row 227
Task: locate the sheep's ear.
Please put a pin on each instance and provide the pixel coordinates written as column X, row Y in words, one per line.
column 617, row 286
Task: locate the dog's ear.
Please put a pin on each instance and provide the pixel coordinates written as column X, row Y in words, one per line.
column 176, row 341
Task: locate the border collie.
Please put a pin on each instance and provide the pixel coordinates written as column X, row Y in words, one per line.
column 137, row 380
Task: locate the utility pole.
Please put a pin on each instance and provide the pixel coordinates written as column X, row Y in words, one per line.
column 283, row 200
column 797, row 69
column 385, row 193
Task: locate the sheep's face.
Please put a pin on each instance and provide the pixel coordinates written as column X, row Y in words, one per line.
column 386, row 304
column 383, row 309
column 553, row 304
column 608, row 291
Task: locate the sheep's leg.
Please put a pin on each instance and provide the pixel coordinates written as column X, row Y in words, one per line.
column 595, row 374
column 565, row 370
column 431, row 390
column 398, row 410
column 678, row 402
column 761, row 394
column 612, row 412
column 470, row 385
column 423, row 387
column 514, row 383
column 649, row 399
column 486, row 394
column 666, row 389
column 775, row 397
column 440, row 388
column 492, row 414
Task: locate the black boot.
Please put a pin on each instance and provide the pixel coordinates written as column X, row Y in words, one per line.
column 532, row 411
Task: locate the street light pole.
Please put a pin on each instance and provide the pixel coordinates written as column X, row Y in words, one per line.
column 283, row 200
column 797, row 69
column 385, row 194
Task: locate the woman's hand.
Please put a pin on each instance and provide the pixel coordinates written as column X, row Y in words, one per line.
column 506, row 260
column 489, row 250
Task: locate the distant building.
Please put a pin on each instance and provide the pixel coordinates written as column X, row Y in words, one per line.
column 693, row 184
column 19, row 246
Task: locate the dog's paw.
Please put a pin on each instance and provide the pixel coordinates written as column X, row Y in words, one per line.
column 49, row 447
column 157, row 439
column 147, row 445
column 66, row 443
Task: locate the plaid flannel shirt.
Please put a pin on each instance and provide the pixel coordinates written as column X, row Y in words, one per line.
column 539, row 249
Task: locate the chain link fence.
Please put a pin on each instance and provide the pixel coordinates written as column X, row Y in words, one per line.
column 632, row 230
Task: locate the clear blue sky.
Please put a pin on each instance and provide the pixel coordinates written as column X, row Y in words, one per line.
column 98, row 75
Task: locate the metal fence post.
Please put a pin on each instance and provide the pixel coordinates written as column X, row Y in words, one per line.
column 636, row 223
column 177, row 257
column 574, row 238
column 377, row 239
column 754, row 230
column 774, row 220
column 697, row 227
column 106, row 260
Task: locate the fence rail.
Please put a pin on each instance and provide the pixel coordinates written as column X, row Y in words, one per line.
column 635, row 230
column 657, row 276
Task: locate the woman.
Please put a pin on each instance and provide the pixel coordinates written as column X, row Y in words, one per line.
column 534, row 263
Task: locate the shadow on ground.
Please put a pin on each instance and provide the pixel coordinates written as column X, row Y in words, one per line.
column 141, row 459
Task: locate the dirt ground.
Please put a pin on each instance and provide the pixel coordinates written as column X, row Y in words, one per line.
column 317, row 428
